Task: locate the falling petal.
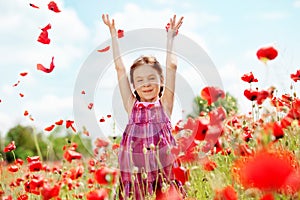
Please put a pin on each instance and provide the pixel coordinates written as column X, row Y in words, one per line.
column 44, row 69
column 104, row 49
column 108, row 116
column 85, row 131
column 90, row 106
column 26, row 113
column 82, row 92
column 21, row 95
column 120, row 33
column 53, row 6
column 69, row 124
column 60, row 122
column 102, row 119
column 43, row 37
column 16, row 84
column 49, row 128
column 31, row 118
column 34, row 6
column 23, row 73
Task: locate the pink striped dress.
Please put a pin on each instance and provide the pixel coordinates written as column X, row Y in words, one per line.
column 145, row 157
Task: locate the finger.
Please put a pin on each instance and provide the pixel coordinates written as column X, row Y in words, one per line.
column 179, row 24
column 174, row 20
column 113, row 22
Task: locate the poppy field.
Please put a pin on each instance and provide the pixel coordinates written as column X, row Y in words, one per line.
column 223, row 154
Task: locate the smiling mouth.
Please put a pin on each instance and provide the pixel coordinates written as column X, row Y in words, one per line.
column 147, row 91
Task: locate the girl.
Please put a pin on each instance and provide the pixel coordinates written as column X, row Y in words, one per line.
column 145, row 159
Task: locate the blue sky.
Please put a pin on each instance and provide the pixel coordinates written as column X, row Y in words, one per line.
column 230, row 32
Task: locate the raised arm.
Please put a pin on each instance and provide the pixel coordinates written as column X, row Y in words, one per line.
column 171, row 67
column 124, row 85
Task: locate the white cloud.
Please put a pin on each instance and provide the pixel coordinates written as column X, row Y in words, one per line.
column 296, row 4
column 6, row 123
column 19, row 33
column 50, row 105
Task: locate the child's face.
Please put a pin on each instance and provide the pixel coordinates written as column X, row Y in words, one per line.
column 147, row 82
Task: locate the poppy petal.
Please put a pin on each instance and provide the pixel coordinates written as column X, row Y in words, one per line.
column 44, row 69
column 49, row 128
column 104, row 49
column 34, row 6
column 53, row 6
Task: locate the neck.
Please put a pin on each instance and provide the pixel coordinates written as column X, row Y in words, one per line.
column 149, row 100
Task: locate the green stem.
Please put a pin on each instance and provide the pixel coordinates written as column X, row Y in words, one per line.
column 14, row 155
column 37, row 144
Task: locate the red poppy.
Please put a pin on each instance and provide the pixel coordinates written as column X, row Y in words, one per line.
column 227, row 193
column 97, row 194
column 209, row 165
column 10, row 147
column 76, row 173
column 53, row 6
column 90, row 106
column 262, row 96
column 266, row 170
column 249, row 78
column 287, row 99
column 82, row 92
column 101, row 143
column 170, row 193
column 23, row 73
column 120, row 33
column 268, row 196
column 70, row 155
column 103, row 50
column 212, row 94
column 277, row 130
column 13, row 168
column 34, row 185
column 49, row 128
column 244, row 150
column 108, row 115
column 43, row 37
column 115, row 146
column 105, row 175
column 32, row 159
column 217, row 116
column 35, row 166
column 265, row 54
column 44, row 69
column 277, row 102
column 296, row 76
column 49, row 192
column 60, row 122
column 251, row 94
column 19, row 161
column 181, row 174
column 23, row 197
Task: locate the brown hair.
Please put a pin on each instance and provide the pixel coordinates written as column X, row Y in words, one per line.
column 152, row 62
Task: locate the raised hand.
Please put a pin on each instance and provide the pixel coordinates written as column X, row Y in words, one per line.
column 110, row 24
column 174, row 26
